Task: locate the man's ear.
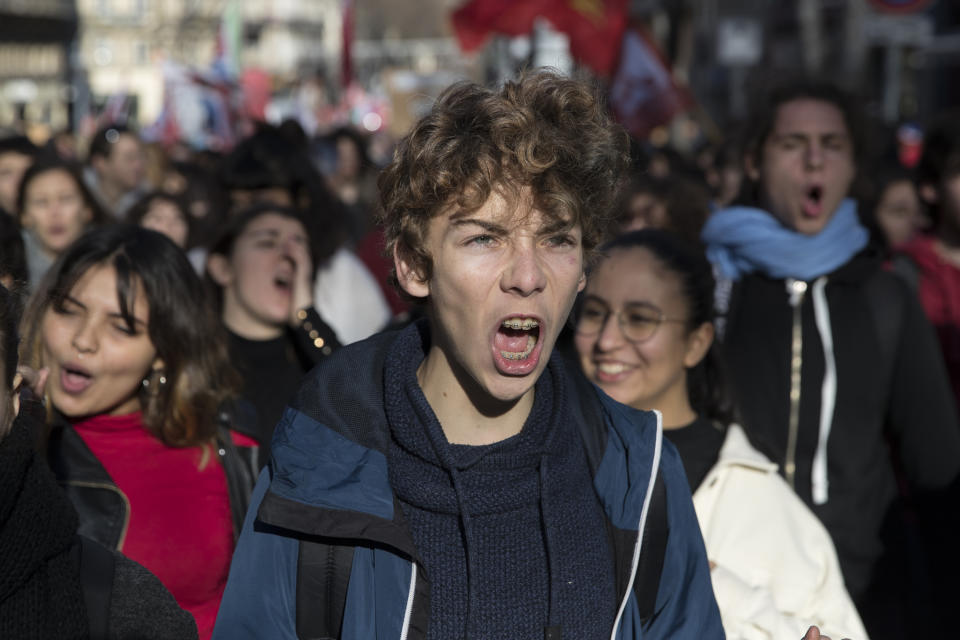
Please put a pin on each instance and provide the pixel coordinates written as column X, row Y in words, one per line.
column 409, row 277
column 219, row 269
column 698, row 343
column 928, row 193
column 582, row 282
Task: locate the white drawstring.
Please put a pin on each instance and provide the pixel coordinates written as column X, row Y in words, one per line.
column 828, row 392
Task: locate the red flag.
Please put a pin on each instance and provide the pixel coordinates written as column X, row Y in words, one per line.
column 643, row 94
column 595, row 27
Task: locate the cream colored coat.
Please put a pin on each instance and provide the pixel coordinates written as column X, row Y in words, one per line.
column 776, row 568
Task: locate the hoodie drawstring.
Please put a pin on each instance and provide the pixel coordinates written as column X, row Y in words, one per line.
column 828, row 391
column 553, row 572
column 467, row 524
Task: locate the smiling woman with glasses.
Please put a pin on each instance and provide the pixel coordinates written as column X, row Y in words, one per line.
column 773, row 565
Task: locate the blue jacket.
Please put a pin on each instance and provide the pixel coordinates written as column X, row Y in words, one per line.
column 328, row 477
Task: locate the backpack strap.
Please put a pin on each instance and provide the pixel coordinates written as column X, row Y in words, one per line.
column 653, row 547
column 96, row 582
column 323, row 574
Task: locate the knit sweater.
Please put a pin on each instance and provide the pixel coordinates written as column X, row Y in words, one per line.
column 40, row 593
column 511, row 534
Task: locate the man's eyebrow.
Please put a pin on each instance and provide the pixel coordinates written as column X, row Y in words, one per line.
column 556, row 226
column 803, row 136
column 792, row 135
column 484, row 224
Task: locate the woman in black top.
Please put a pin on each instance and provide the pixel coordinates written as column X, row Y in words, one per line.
column 262, row 270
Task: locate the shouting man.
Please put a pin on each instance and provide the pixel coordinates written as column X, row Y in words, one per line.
column 455, row 479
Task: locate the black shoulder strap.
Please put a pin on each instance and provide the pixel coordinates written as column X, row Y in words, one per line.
column 323, row 573
column 653, row 548
column 240, row 470
column 96, row 581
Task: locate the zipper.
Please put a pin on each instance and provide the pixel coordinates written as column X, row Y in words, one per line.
column 796, row 290
column 123, row 496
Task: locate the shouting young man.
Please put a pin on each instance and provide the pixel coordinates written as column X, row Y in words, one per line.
column 830, row 355
column 455, row 479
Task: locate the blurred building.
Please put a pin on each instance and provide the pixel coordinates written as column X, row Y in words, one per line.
column 35, row 64
column 123, row 43
column 892, row 53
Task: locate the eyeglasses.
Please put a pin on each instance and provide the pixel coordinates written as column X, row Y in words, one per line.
column 638, row 321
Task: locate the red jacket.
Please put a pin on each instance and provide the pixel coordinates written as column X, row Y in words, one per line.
column 938, row 288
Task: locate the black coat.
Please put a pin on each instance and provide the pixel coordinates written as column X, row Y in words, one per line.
column 891, row 388
column 47, row 583
column 103, row 508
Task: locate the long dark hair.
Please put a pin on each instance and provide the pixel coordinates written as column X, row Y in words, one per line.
column 706, row 383
column 181, row 325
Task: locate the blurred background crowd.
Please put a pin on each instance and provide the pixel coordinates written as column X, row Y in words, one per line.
column 251, row 133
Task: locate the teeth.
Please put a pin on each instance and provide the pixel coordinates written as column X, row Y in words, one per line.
column 521, row 355
column 611, row 368
column 520, row 325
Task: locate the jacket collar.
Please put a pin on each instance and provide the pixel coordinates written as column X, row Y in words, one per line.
column 737, row 451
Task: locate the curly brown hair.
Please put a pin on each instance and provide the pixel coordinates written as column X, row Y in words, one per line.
column 543, row 131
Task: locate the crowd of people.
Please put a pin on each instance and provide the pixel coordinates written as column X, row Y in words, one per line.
column 530, row 379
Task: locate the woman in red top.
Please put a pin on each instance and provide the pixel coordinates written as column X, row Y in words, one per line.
column 137, row 383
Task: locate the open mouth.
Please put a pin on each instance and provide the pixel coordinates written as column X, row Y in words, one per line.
column 813, row 201
column 283, row 282
column 74, row 380
column 517, row 338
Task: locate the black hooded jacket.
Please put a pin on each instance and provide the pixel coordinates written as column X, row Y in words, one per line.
column 883, row 376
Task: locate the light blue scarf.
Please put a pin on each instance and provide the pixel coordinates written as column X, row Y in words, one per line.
column 741, row 240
